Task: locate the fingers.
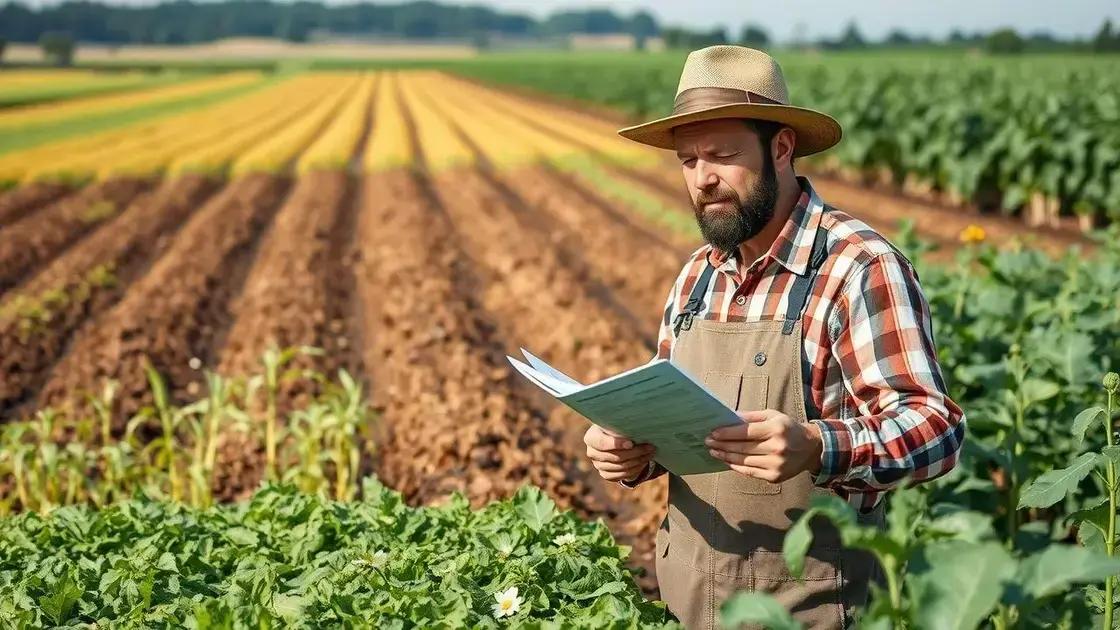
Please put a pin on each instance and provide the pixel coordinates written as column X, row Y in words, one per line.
column 642, row 451
column 742, row 447
column 625, row 467
column 600, row 439
column 763, row 462
column 626, row 475
column 754, row 427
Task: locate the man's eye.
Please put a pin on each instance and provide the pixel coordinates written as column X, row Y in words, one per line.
column 727, row 156
column 688, row 161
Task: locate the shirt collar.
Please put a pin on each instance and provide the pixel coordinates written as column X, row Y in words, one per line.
column 794, row 245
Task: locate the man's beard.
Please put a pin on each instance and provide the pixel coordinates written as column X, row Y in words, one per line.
column 726, row 229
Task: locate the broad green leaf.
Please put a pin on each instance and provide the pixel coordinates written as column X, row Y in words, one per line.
column 1036, row 390
column 288, row 607
column 1053, row 485
column 536, row 507
column 60, row 603
column 242, row 536
column 1112, row 454
column 1058, row 566
column 957, row 584
column 800, row 535
column 1085, row 421
column 756, row 608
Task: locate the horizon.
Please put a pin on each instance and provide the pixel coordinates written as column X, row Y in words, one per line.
column 799, row 20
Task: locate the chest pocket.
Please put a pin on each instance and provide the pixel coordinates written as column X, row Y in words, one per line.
column 742, row 392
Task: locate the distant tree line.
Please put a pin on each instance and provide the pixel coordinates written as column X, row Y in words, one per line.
column 187, row 21
column 184, row 21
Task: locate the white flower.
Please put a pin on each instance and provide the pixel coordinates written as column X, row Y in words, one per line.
column 194, row 363
column 374, row 560
column 564, row 539
column 508, row 603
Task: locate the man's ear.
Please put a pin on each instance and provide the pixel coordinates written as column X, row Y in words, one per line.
column 781, row 147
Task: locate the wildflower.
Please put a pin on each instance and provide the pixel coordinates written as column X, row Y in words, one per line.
column 508, row 603
column 194, row 363
column 564, row 539
column 973, row 234
column 373, row 561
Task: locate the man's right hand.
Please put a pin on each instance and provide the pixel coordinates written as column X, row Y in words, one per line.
column 615, row 456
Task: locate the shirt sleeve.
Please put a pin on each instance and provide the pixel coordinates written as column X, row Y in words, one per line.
column 905, row 426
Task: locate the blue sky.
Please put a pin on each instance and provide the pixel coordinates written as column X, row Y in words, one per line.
column 875, row 17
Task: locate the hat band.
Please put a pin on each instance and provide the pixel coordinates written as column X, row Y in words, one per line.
column 701, row 98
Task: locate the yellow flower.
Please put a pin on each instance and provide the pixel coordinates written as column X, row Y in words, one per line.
column 508, row 603
column 973, row 234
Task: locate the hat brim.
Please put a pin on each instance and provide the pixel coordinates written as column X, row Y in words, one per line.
column 815, row 131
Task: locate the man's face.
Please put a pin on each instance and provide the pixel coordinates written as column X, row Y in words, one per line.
column 730, row 177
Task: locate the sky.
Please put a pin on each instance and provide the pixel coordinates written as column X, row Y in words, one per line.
column 819, row 18
column 787, row 20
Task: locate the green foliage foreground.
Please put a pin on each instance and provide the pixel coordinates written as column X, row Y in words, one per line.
column 288, row 559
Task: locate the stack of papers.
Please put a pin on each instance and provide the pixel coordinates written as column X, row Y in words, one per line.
column 655, row 403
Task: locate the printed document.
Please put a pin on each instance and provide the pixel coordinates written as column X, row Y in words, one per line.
column 655, row 403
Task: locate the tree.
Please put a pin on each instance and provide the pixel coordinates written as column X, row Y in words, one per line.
column 3, row 45
column 58, row 48
column 1105, row 40
column 898, row 37
column 1004, row 41
column 754, row 36
column 851, row 38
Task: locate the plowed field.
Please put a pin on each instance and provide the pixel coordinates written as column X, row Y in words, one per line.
column 425, row 238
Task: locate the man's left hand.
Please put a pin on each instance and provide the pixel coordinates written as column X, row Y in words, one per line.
column 768, row 445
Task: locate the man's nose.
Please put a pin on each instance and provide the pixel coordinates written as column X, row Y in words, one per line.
column 705, row 176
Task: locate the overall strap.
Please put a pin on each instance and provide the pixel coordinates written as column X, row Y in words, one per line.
column 802, row 285
column 695, row 302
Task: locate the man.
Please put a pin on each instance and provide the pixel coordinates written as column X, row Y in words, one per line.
column 806, row 321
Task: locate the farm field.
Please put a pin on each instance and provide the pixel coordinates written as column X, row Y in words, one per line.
column 402, row 231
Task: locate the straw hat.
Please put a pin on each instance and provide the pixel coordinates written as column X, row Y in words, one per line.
column 736, row 82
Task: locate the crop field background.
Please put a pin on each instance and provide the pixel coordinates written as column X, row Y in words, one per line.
column 209, row 280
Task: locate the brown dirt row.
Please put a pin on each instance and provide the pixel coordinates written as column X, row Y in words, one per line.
column 178, row 310
column 22, row 201
column 123, row 247
column 546, row 304
column 633, row 260
column 454, row 418
column 285, row 299
column 39, row 237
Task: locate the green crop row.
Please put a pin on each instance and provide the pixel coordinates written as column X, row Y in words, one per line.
column 1038, row 136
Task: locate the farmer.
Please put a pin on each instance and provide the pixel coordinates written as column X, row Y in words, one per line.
column 806, row 321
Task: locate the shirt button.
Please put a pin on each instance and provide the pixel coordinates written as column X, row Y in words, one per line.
column 741, row 300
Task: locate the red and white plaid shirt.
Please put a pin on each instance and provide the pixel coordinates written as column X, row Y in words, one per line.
column 874, row 376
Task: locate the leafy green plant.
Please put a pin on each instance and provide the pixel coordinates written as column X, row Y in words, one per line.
column 290, row 559
column 1096, row 524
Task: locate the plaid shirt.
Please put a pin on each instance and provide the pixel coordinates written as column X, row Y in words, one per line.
column 885, row 411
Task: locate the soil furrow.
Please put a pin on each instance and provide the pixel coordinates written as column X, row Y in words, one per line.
column 547, row 307
column 285, row 299
column 18, row 203
column 637, row 265
column 37, row 322
column 454, row 418
column 39, row 237
column 176, row 311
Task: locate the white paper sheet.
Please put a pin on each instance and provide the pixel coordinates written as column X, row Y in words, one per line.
column 655, row 403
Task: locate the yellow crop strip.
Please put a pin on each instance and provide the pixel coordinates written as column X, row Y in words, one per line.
column 593, row 133
column 215, row 157
column 389, row 145
column 275, row 153
column 48, row 113
column 23, row 78
column 499, row 142
column 144, row 148
column 335, row 147
column 209, row 127
column 441, row 145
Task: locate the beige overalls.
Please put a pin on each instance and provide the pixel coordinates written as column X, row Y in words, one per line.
column 724, row 531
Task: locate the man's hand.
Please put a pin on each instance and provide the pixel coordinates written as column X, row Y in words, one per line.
column 616, row 457
column 768, row 445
